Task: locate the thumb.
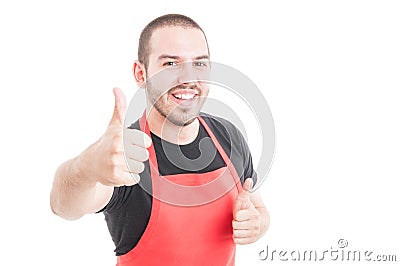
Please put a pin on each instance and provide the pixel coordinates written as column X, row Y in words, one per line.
column 119, row 107
column 243, row 200
column 248, row 185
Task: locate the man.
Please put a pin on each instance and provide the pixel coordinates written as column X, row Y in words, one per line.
column 158, row 210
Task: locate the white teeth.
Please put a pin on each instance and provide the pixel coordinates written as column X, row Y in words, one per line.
column 184, row 96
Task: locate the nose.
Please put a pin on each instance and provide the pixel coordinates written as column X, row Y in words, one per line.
column 187, row 74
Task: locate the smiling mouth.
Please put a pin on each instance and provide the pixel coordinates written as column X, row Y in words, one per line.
column 184, row 95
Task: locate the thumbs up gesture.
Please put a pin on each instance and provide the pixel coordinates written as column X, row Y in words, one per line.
column 246, row 222
column 105, row 161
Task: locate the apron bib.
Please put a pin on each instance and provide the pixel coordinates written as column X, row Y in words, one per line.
column 191, row 217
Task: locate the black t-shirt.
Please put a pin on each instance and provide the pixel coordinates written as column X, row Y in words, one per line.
column 129, row 209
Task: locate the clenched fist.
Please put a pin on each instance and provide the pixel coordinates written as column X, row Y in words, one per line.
column 246, row 222
column 105, row 160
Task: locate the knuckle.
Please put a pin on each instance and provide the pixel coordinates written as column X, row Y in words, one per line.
column 145, row 155
column 136, row 178
column 117, row 136
column 138, row 153
column 140, row 167
column 128, row 182
column 115, row 159
column 256, row 215
column 136, row 166
column 115, row 148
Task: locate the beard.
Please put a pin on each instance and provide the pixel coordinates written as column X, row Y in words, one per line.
column 177, row 114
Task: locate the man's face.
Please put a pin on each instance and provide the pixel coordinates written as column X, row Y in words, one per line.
column 178, row 60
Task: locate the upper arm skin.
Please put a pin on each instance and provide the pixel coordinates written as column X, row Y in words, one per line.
column 103, row 196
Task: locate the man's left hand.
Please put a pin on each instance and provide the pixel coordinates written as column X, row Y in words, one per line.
column 247, row 224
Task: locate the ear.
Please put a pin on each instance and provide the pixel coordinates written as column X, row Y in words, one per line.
column 139, row 73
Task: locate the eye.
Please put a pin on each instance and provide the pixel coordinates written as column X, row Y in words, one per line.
column 170, row 63
column 200, row 64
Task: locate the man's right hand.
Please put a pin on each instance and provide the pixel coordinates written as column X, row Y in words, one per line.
column 104, row 161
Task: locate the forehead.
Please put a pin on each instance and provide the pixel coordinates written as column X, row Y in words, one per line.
column 178, row 41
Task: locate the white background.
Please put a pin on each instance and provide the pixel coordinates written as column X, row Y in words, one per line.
column 328, row 69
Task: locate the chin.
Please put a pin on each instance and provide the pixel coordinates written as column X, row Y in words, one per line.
column 181, row 122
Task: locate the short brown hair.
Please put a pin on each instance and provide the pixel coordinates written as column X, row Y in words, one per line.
column 163, row 21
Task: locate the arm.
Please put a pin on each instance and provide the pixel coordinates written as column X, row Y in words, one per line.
column 73, row 195
column 85, row 184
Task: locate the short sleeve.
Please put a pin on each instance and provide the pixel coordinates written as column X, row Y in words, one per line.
column 249, row 171
column 234, row 144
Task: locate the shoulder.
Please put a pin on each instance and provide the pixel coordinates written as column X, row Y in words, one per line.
column 234, row 144
column 223, row 129
column 218, row 123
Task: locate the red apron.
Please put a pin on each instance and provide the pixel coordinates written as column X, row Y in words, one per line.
column 191, row 216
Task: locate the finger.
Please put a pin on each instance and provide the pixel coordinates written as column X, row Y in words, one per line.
column 127, row 179
column 243, row 200
column 137, row 137
column 241, row 203
column 248, row 185
column 244, row 240
column 136, row 153
column 246, row 215
column 242, row 233
column 135, row 166
column 119, row 107
column 244, row 225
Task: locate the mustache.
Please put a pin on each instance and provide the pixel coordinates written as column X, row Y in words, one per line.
column 185, row 87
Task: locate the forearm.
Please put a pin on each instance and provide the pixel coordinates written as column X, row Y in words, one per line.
column 86, row 183
column 73, row 194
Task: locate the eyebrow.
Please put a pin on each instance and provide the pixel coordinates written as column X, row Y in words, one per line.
column 202, row 57
column 166, row 56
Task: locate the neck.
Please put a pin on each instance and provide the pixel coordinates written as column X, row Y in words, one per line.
column 163, row 128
